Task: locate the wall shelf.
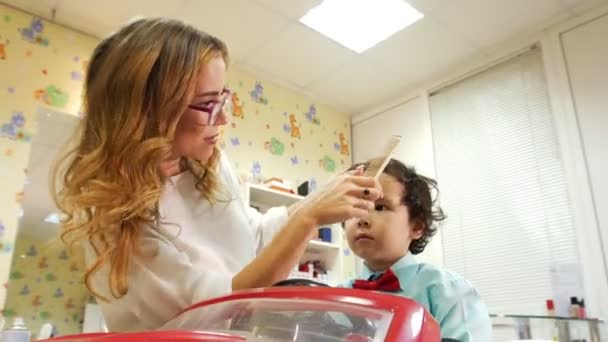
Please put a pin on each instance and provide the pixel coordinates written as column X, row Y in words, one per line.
column 274, row 198
column 324, row 245
column 329, row 253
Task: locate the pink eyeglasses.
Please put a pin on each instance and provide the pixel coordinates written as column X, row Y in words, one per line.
column 213, row 108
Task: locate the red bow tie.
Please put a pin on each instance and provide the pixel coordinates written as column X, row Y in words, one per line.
column 387, row 282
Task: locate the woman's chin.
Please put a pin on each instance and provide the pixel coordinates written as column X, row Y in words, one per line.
column 204, row 154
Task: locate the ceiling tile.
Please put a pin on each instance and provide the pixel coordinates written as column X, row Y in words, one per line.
column 421, row 50
column 426, row 6
column 359, row 84
column 255, row 33
column 243, row 24
column 88, row 16
column 488, row 22
column 293, row 9
column 300, row 55
column 580, row 6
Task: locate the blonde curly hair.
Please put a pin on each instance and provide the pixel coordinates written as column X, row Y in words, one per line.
column 138, row 85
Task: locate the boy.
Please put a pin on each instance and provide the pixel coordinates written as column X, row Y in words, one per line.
column 404, row 220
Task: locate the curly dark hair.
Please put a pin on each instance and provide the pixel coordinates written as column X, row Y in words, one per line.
column 417, row 197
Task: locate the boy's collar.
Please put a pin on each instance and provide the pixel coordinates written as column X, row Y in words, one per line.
column 406, row 260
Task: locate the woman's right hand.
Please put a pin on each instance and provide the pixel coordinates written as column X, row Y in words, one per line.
column 349, row 195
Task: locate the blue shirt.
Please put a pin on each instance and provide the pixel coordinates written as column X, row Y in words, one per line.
column 451, row 299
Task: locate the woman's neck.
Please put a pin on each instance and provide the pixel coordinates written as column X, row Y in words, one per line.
column 170, row 168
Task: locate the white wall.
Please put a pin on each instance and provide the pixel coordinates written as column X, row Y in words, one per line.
column 416, row 115
column 410, row 120
column 586, row 53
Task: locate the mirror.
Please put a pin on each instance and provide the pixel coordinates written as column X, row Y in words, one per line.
column 45, row 284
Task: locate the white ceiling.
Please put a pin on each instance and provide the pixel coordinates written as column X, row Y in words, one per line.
column 265, row 37
column 53, row 128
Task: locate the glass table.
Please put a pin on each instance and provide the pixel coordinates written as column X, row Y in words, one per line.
column 550, row 328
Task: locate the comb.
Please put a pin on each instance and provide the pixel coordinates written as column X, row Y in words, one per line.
column 377, row 165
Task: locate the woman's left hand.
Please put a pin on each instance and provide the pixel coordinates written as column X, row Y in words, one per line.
column 346, row 196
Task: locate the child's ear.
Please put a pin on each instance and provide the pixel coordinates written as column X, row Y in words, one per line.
column 416, row 230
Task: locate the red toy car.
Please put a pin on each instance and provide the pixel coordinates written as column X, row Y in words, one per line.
column 319, row 314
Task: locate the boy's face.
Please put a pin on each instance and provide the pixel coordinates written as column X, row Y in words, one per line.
column 386, row 234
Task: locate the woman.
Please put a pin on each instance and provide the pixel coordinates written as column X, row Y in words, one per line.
column 152, row 198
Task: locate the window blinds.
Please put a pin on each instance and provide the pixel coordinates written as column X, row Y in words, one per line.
column 502, row 184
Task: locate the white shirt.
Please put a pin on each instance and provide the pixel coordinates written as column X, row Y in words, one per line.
column 200, row 247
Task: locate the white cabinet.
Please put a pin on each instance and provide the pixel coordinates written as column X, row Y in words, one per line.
column 328, row 253
column 93, row 319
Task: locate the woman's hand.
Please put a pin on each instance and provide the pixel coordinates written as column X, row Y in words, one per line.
column 348, row 195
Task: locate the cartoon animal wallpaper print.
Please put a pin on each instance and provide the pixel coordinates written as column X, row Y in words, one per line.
column 36, row 61
column 344, row 150
column 52, row 96
column 42, row 264
column 311, row 115
column 41, row 281
column 16, row 275
column 237, row 106
column 15, row 128
column 257, row 94
column 295, row 128
column 34, row 33
column 37, row 301
column 25, row 290
column 256, row 169
column 328, row 164
column 32, row 251
column 275, row 146
column 299, row 140
column 69, row 304
column 76, row 75
column 2, row 51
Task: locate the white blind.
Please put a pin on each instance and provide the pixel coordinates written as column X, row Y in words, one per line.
column 502, row 184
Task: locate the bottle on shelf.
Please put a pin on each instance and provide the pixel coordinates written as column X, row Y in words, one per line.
column 550, row 305
column 325, row 234
column 17, row 332
column 582, row 314
column 574, row 308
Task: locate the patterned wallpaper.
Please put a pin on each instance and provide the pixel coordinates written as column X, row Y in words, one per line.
column 41, row 64
column 46, row 285
column 277, row 133
column 274, row 132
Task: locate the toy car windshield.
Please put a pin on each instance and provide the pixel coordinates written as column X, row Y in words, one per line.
column 324, row 315
column 297, row 313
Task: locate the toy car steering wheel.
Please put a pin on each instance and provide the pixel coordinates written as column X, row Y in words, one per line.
column 299, row 282
column 360, row 325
